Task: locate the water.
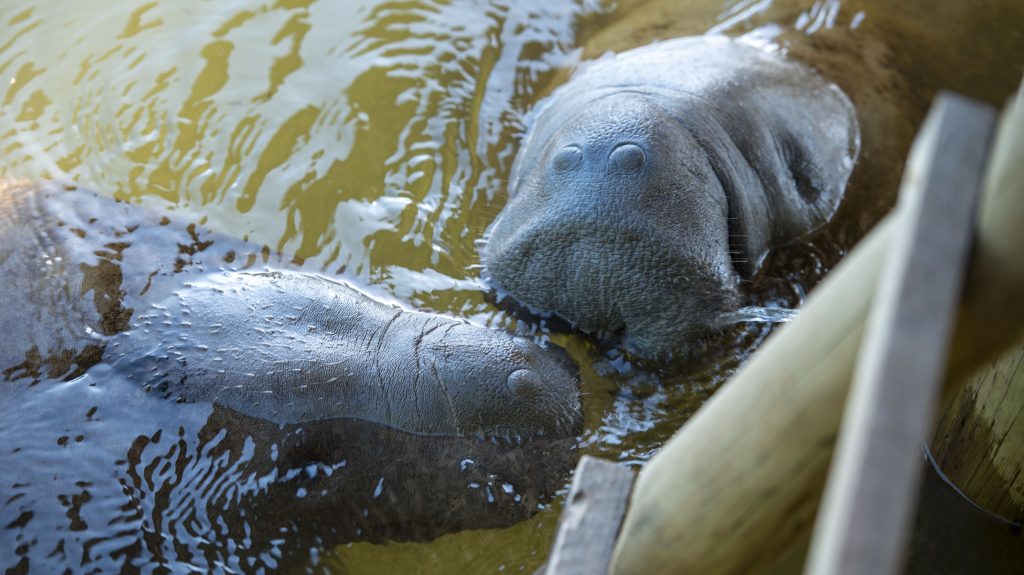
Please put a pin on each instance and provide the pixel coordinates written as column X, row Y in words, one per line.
column 373, row 140
column 755, row 314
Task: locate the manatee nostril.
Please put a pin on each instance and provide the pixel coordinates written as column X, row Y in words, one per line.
column 523, row 383
column 626, row 158
column 567, row 158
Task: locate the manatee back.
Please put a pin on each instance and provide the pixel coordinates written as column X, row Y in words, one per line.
column 291, row 347
column 75, row 265
column 60, row 291
column 285, row 347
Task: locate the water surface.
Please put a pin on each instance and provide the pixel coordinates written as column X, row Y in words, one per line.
column 372, row 140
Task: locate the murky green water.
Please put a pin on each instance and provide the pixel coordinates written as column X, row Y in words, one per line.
column 373, row 140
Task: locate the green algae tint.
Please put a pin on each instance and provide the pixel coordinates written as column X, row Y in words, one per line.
column 373, row 140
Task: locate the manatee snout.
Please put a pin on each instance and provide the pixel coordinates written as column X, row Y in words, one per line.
column 502, row 386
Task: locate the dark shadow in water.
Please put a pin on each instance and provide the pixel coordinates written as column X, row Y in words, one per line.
column 954, row 535
column 237, row 492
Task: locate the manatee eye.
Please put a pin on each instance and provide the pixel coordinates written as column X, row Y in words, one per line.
column 567, row 158
column 627, row 158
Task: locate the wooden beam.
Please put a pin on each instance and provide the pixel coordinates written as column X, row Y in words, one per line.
column 739, row 485
column 591, row 519
column 872, row 487
column 989, row 314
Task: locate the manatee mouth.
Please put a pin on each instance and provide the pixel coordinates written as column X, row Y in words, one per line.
column 617, row 284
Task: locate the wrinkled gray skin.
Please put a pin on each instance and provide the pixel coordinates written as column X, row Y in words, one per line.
column 286, row 346
column 290, row 347
column 652, row 183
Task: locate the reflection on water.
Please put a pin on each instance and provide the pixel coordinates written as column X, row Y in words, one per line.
column 373, row 139
column 107, row 477
column 320, row 128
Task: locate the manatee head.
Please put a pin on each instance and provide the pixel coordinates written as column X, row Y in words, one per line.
column 640, row 201
column 619, row 225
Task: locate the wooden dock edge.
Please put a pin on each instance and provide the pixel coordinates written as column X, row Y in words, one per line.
column 590, row 521
column 740, row 483
column 872, row 487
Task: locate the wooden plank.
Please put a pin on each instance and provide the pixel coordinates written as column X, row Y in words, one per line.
column 737, row 488
column 872, row 487
column 990, row 313
column 591, row 519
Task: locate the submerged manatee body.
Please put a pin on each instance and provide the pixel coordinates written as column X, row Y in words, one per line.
column 652, row 183
column 212, row 404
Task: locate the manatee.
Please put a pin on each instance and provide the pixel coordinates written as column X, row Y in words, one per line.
column 84, row 275
column 216, row 396
column 649, row 188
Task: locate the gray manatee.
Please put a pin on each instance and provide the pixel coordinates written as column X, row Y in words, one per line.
column 285, row 346
column 165, row 399
column 653, row 183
